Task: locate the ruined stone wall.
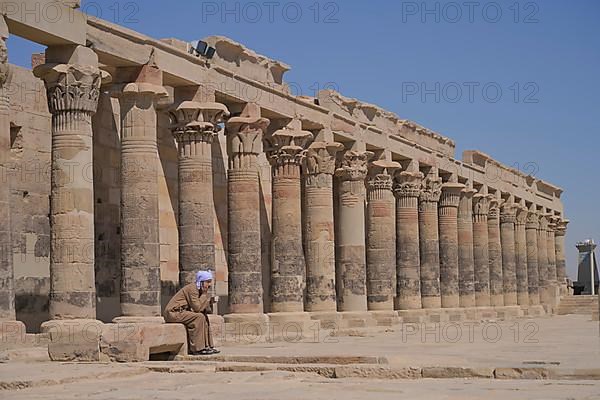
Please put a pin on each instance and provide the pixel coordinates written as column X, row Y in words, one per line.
column 29, row 179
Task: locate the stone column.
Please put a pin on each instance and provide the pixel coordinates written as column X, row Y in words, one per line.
column 194, row 126
column 561, row 264
column 481, row 208
column 531, row 232
column 551, row 249
column 287, row 256
column 429, row 244
column 542, row 244
column 495, row 253
column 521, row 257
column 319, row 168
column 140, row 246
column 7, row 288
column 381, row 236
column 73, row 82
column 351, row 271
column 466, row 255
column 507, row 238
column 408, row 269
column 448, row 225
column 244, row 136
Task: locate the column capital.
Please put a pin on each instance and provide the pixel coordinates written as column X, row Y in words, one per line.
column 494, row 213
column 288, row 144
column 431, row 190
column 508, row 213
column 481, row 204
column 561, row 227
column 552, row 223
column 468, row 192
column 320, row 158
column 381, row 174
column 451, row 193
column 72, row 87
column 195, row 118
column 408, row 184
column 244, row 132
column 543, row 219
column 533, row 220
column 521, row 216
column 354, row 165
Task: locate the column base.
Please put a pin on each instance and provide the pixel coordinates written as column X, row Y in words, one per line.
column 533, row 311
column 246, row 328
column 74, row 339
column 482, row 300
column 328, row 319
column 357, row 319
column 408, row 303
column 510, row 299
column 13, row 334
column 508, row 312
column 432, row 302
column 292, row 327
column 451, row 301
column 385, row 318
column 497, row 300
column 467, row 301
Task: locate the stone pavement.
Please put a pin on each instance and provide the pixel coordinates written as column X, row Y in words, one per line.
column 556, row 359
column 568, row 341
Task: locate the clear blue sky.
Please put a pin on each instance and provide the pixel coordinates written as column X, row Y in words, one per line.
column 544, row 56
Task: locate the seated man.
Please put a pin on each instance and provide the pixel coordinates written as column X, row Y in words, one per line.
column 190, row 306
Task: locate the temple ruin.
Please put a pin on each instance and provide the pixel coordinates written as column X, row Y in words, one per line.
column 129, row 163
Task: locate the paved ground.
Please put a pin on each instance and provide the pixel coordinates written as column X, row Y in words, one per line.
column 288, row 386
column 556, row 342
column 570, row 341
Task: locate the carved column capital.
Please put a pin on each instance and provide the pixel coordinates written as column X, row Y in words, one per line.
column 320, row 158
column 508, row 213
column 244, row 132
column 431, row 190
column 72, row 89
column 195, row 120
column 408, row 184
column 481, row 204
column 287, row 144
column 494, row 213
column 354, row 165
column 521, row 216
column 561, row 227
column 450, row 196
column 381, row 174
column 543, row 219
column 533, row 220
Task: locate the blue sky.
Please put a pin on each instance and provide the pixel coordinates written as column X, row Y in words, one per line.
column 515, row 79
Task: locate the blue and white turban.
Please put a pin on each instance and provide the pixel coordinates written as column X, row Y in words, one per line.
column 202, row 276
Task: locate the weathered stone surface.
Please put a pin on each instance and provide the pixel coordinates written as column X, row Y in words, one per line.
column 521, row 257
column 319, row 167
column 136, row 342
column 408, row 269
column 429, row 197
column 531, row 232
column 561, row 264
column 522, row 373
column 481, row 207
column 244, row 134
column 7, row 284
column 73, row 92
column 288, row 267
column 495, row 254
column 466, row 256
column 74, row 340
column 507, row 237
column 377, row 372
column 457, row 372
column 381, row 236
column 351, row 267
column 448, row 227
column 140, row 247
column 194, row 126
